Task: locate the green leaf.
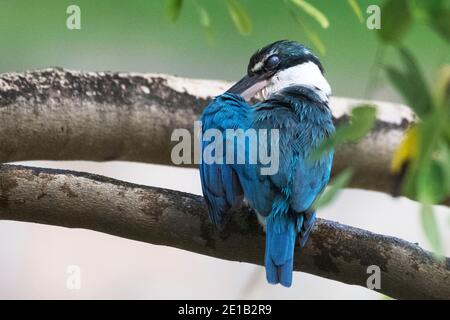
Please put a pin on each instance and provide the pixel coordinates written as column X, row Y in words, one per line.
column 442, row 88
column 437, row 15
column 361, row 123
column 362, row 120
column 413, row 71
column 433, row 160
column 431, row 182
column 428, row 131
column 356, row 9
column 174, row 9
column 205, row 22
column 443, row 162
column 441, row 23
column 426, row 179
column 315, row 40
column 333, row 190
column 411, row 84
column 396, row 19
column 239, row 16
column 310, row 34
column 400, row 82
column 430, row 228
column 428, row 5
column 309, row 9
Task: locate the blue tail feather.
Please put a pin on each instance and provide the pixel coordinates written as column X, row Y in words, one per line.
column 281, row 233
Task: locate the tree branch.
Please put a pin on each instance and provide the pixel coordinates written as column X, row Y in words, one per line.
column 56, row 114
column 177, row 219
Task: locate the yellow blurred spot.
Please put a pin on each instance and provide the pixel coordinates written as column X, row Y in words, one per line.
column 406, row 151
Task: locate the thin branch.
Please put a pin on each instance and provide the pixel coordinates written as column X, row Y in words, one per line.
column 56, row 114
column 177, row 219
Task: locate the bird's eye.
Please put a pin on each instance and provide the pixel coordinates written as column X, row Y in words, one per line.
column 272, row 61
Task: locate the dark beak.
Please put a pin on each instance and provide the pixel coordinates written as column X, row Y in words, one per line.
column 248, row 86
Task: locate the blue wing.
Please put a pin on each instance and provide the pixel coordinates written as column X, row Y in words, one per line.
column 220, row 182
column 225, row 185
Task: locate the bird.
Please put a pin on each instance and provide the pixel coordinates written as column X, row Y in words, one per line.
column 289, row 81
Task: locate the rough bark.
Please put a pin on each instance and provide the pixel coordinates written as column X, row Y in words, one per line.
column 177, row 219
column 57, row 114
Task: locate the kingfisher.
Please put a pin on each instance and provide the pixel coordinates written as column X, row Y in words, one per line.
column 293, row 93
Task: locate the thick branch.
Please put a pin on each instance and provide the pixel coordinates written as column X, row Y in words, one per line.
column 177, row 219
column 57, row 114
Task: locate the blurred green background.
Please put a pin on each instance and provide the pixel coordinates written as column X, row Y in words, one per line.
column 138, row 35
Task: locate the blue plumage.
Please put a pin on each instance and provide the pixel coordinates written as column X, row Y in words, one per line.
column 300, row 112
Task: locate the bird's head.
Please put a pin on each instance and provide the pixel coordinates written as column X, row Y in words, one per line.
column 279, row 65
